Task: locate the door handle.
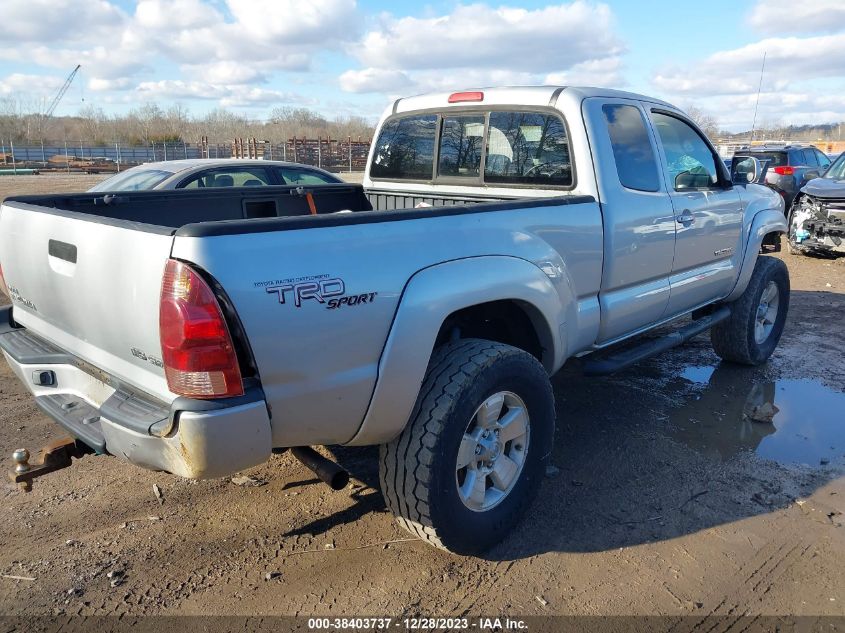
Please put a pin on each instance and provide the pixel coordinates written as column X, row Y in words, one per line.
column 686, row 217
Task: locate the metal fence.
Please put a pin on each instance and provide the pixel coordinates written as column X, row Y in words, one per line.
column 330, row 154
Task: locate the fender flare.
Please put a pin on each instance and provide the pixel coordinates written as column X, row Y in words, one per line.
column 430, row 296
column 764, row 222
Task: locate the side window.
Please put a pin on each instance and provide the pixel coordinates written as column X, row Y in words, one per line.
column 291, row 176
column 405, row 148
column 228, row 177
column 460, row 146
column 632, row 151
column 810, row 158
column 690, row 162
column 824, row 161
column 527, row 148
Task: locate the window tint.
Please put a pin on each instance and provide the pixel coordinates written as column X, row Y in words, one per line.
column 810, row 158
column 775, row 159
column 460, row 145
column 632, row 150
column 824, row 161
column 691, row 163
column 293, row 176
column 527, row 148
column 405, row 148
column 228, row 177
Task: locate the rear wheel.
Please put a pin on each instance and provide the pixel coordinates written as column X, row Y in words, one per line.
column 749, row 336
column 470, row 461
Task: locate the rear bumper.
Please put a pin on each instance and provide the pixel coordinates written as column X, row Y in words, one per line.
column 191, row 438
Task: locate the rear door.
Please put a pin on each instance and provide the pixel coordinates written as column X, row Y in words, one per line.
column 639, row 224
column 708, row 214
column 89, row 285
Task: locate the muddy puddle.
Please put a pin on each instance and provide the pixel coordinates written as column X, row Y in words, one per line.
column 792, row 421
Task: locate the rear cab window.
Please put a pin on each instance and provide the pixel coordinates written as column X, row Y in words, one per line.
column 511, row 148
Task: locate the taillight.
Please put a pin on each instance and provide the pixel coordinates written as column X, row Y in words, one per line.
column 783, row 171
column 3, row 287
column 464, row 97
column 196, row 347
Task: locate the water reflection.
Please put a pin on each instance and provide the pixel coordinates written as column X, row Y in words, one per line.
column 789, row 421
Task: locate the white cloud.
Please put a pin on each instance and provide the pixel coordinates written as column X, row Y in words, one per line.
column 33, row 85
column 176, row 14
column 737, row 71
column 384, row 80
column 787, row 16
column 543, row 40
column 295, row 22
column 605, row 73
column 239, row 44
column 479, row 45
column 227, row 95
column 25, row 21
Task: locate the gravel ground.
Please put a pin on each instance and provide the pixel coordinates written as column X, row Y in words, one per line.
column 666, row 500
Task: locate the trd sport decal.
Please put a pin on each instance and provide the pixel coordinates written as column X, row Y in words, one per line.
column 328, row 291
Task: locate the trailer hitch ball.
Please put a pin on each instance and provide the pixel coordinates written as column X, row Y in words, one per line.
column 52, row 457
column 21, row 458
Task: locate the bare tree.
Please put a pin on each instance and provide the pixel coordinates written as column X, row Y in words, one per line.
column 707, row 122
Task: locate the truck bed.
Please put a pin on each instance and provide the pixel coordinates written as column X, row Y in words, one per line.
column 175, row 209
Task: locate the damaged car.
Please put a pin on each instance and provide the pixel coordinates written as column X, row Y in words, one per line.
column 817, row 217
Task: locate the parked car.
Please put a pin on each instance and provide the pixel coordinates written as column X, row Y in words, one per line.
column 214, row 172
column 816, row 219
column 790, row 166
column 496, row 236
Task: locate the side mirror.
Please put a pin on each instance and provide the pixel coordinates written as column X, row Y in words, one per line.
column 745, row 169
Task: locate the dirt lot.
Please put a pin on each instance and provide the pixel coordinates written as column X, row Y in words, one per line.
column 668, row 500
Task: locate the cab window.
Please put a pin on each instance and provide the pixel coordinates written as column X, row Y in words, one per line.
column 405, row 148
column 527, row 148
column 460, row 146
column 690, row 162
column 632, row 152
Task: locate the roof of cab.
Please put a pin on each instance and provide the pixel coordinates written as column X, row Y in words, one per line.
column 521, row 95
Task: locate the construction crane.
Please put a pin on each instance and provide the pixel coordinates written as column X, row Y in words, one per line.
column 61, row 93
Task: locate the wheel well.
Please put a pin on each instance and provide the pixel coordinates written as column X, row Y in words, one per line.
column 508, row 321
column 771, row 242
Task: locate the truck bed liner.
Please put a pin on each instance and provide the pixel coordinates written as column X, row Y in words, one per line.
column 174, row 209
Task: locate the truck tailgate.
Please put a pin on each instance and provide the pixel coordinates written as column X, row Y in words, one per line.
column 90, row 286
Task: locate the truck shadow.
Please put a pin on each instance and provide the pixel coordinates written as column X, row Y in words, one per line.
column 676, row 445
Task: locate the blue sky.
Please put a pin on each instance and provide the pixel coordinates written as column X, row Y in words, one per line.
column 344, row 57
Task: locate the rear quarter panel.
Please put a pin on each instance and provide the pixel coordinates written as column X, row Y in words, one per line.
column 318, row 366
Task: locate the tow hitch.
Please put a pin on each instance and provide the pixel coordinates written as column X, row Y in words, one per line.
column 54, row 456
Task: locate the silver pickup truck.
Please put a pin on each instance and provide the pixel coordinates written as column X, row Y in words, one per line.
column 498, row 233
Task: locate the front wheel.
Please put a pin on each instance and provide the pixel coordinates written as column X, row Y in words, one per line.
column 470, row 461
column 751, row 333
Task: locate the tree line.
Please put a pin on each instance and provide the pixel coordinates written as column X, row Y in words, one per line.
column 149, row 123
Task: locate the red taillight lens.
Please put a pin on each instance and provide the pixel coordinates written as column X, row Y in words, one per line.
column 196, row 347
column 783, row 171
column 462, row 97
